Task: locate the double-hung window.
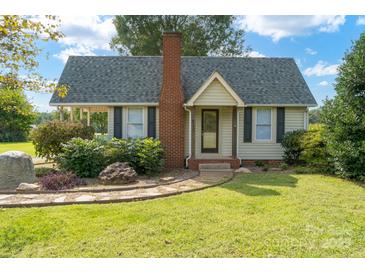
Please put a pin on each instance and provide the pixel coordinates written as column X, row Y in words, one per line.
column 135, row 123
column 263, row 124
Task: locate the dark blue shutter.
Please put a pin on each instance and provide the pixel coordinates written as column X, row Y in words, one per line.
column 151, row 126
column 118, row 116
column 247, row 127
column 280, row 124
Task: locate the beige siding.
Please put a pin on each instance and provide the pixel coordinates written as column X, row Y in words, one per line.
column 215, row 94
column 110, row 122
column 224, row 135
column 157, row 124
column 294, row 119
column 186, row 133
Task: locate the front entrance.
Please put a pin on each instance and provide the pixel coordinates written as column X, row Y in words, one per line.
column 210, row 125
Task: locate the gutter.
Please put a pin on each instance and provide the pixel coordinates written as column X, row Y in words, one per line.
column 190, row 124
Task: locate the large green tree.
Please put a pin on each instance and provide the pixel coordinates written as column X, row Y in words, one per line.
column 16, row 115
column 202, row 35
column 344, row 116
column 19, row 48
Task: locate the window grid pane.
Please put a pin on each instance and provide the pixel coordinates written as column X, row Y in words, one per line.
column 135, row 123
column 263, row 124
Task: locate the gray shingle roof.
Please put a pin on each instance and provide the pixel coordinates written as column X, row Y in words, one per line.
column 101, row 79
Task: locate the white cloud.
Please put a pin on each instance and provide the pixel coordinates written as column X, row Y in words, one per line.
column 85, row 34
column 77, row 50
column 360, row 21
column 255, row 54
column 323, row 83
column 278, row 27
column 321, row 69
column 310, row 51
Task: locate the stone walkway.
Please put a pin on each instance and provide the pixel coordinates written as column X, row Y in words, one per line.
column 204, row 180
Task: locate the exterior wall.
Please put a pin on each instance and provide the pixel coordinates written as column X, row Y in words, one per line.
column 294, row 119
column 186, row 134
column 125, row 119
column 157, row 123
column 224, row 133
column 215, row 95
column 110, row 122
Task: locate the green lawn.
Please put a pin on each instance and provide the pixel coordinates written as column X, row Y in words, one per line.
column 27, row 147
column 255, row 215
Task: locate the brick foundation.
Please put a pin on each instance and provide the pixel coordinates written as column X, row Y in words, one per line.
column 253, row 162
column 194, row 163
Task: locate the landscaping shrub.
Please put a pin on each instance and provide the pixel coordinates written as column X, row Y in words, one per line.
column 58, row 181
column 86, row 158
column 259, row 163
column 314, row 149
column 49, row 137
column 145, row 155
column 292, row 146
column 43, row 171
column 283, row 166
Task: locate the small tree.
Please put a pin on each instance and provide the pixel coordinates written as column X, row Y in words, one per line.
column 16, row 116
column 344, row 116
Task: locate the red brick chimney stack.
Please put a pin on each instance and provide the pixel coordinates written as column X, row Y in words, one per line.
column 171, row 111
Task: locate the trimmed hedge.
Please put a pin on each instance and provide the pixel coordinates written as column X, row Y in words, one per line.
column 49, row 137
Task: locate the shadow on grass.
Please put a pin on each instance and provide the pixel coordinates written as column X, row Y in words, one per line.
column 258, row 184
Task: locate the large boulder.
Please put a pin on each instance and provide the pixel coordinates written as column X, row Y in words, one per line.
column 15, row 167
column 25, row 187
column 118, row 173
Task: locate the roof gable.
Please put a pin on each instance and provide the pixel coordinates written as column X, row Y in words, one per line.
column 222, row 94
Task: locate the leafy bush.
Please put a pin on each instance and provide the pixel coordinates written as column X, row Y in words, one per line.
column 259, row 163
column 315, row 150
column 146, row 155
column 58, row 181
column 49, row 137
column 292, row 146
column 83, row 157
column 283, row 166
column 43, row 171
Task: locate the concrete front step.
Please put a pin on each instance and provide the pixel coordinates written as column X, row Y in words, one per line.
column 215, row 166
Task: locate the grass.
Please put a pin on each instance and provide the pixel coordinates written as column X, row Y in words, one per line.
column 26, row 147
column 255, row 215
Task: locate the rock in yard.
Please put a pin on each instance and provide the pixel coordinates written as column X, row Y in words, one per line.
column 275, row 169
column 16, row 167
column 118, row 173
column 243, row 170
column 25, row 187
column 166, row 179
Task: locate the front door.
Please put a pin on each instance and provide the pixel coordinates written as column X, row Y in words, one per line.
column 210, row 125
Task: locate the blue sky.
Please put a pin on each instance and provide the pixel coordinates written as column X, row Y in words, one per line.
column 317, row 43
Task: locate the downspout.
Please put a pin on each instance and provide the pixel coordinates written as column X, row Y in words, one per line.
column 237, row 135
column 190, row 123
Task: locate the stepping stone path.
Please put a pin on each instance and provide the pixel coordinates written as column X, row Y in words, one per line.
column 204, row 180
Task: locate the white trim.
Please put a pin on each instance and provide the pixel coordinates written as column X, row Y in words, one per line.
column 271, row 126
column 103, row 104
column 279, row 105
column 190, row 131
column 238, row 135
column 214, row 76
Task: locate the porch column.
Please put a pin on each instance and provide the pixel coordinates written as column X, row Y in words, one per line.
column 81, row 114
column 71, row 114
column 61, row 113
column 192, row 133
column 234, row 132
column 88, row 116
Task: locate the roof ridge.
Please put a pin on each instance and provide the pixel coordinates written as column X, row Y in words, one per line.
column 184, row 56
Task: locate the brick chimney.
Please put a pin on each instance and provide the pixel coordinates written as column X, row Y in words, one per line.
column 171, row 109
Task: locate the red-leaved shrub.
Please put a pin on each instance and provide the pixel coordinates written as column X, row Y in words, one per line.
column 59, row 181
